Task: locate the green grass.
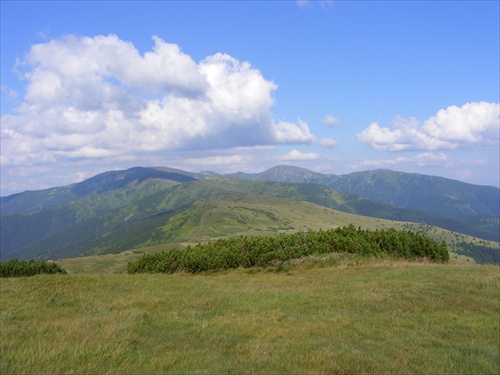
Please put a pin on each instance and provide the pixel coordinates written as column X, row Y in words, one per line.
column 105, row 264
column 337, row 314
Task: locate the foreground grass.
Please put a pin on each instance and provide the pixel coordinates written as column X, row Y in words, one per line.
column 365, row 317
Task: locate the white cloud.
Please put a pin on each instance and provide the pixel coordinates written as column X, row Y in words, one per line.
column 29, row 171
column 9, row 93
column 219, row 160
column 325, row 167
column 98, row 97
column 302, row 3
column 328, row 142
column 473, row 124
column 425, row 159
column 286, row 132
column 331, row 121
column 295, row 155
column 324, row 4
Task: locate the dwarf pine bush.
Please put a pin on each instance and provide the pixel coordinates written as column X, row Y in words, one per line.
column 265, row 250
column 18, row 268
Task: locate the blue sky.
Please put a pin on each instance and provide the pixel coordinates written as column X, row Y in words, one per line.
column 335, row 87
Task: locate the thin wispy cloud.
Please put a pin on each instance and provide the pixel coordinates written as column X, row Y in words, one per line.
column 328, row 142
column 324, row 4
column 422, row 160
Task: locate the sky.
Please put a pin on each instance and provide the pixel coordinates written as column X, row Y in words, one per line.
column 332, row 86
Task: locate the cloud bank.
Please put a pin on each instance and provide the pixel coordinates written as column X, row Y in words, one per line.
column 472, row 125
column 98, row 97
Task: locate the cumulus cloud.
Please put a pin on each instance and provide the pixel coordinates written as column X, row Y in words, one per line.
column 331, row 121
column 473, row 124
column 328, row 142
column 286, row 132
column 295, row 155
column 98, row 97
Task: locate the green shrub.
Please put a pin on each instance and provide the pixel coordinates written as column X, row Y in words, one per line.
column 263, row 251
column 19, row 268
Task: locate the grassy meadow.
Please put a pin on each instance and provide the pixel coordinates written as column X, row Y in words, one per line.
column 334, row 314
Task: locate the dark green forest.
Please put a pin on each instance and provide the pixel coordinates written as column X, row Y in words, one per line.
column 481, row 254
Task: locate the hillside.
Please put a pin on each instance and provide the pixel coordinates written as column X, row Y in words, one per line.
column 429, row 193
column 141, row 207
column 476, row 207
column 157, row 211
column 101, row 184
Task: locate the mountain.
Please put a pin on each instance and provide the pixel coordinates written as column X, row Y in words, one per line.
column 99, row 184
column 476, row 207
column 284, row 173
column 138, row 207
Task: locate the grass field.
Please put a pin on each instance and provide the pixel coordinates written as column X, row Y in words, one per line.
column 333, row 315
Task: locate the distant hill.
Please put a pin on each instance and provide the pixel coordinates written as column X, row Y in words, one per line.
column 99, row 184
column 474, row 206
column 121, row 210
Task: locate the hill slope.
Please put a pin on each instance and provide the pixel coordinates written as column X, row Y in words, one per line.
column 103, row 183
column 140, row 207
column 139, row 213
column 472, row 205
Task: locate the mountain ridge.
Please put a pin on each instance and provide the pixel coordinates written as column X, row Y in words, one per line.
column 130, row 207
column 478, row 205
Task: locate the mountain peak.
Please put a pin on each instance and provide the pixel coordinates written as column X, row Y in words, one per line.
column 114, row 180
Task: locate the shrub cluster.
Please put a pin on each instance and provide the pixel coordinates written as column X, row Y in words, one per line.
column 264, row 251
column 18, row 268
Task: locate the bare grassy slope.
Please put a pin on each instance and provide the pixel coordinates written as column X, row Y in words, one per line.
column 355, row 317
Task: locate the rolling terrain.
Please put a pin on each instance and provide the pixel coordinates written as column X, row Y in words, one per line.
column 143, row 207
column 333, row 313
column 475, row 207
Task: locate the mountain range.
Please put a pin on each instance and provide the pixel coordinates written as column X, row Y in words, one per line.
column 120, row 210
column 476, row 207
